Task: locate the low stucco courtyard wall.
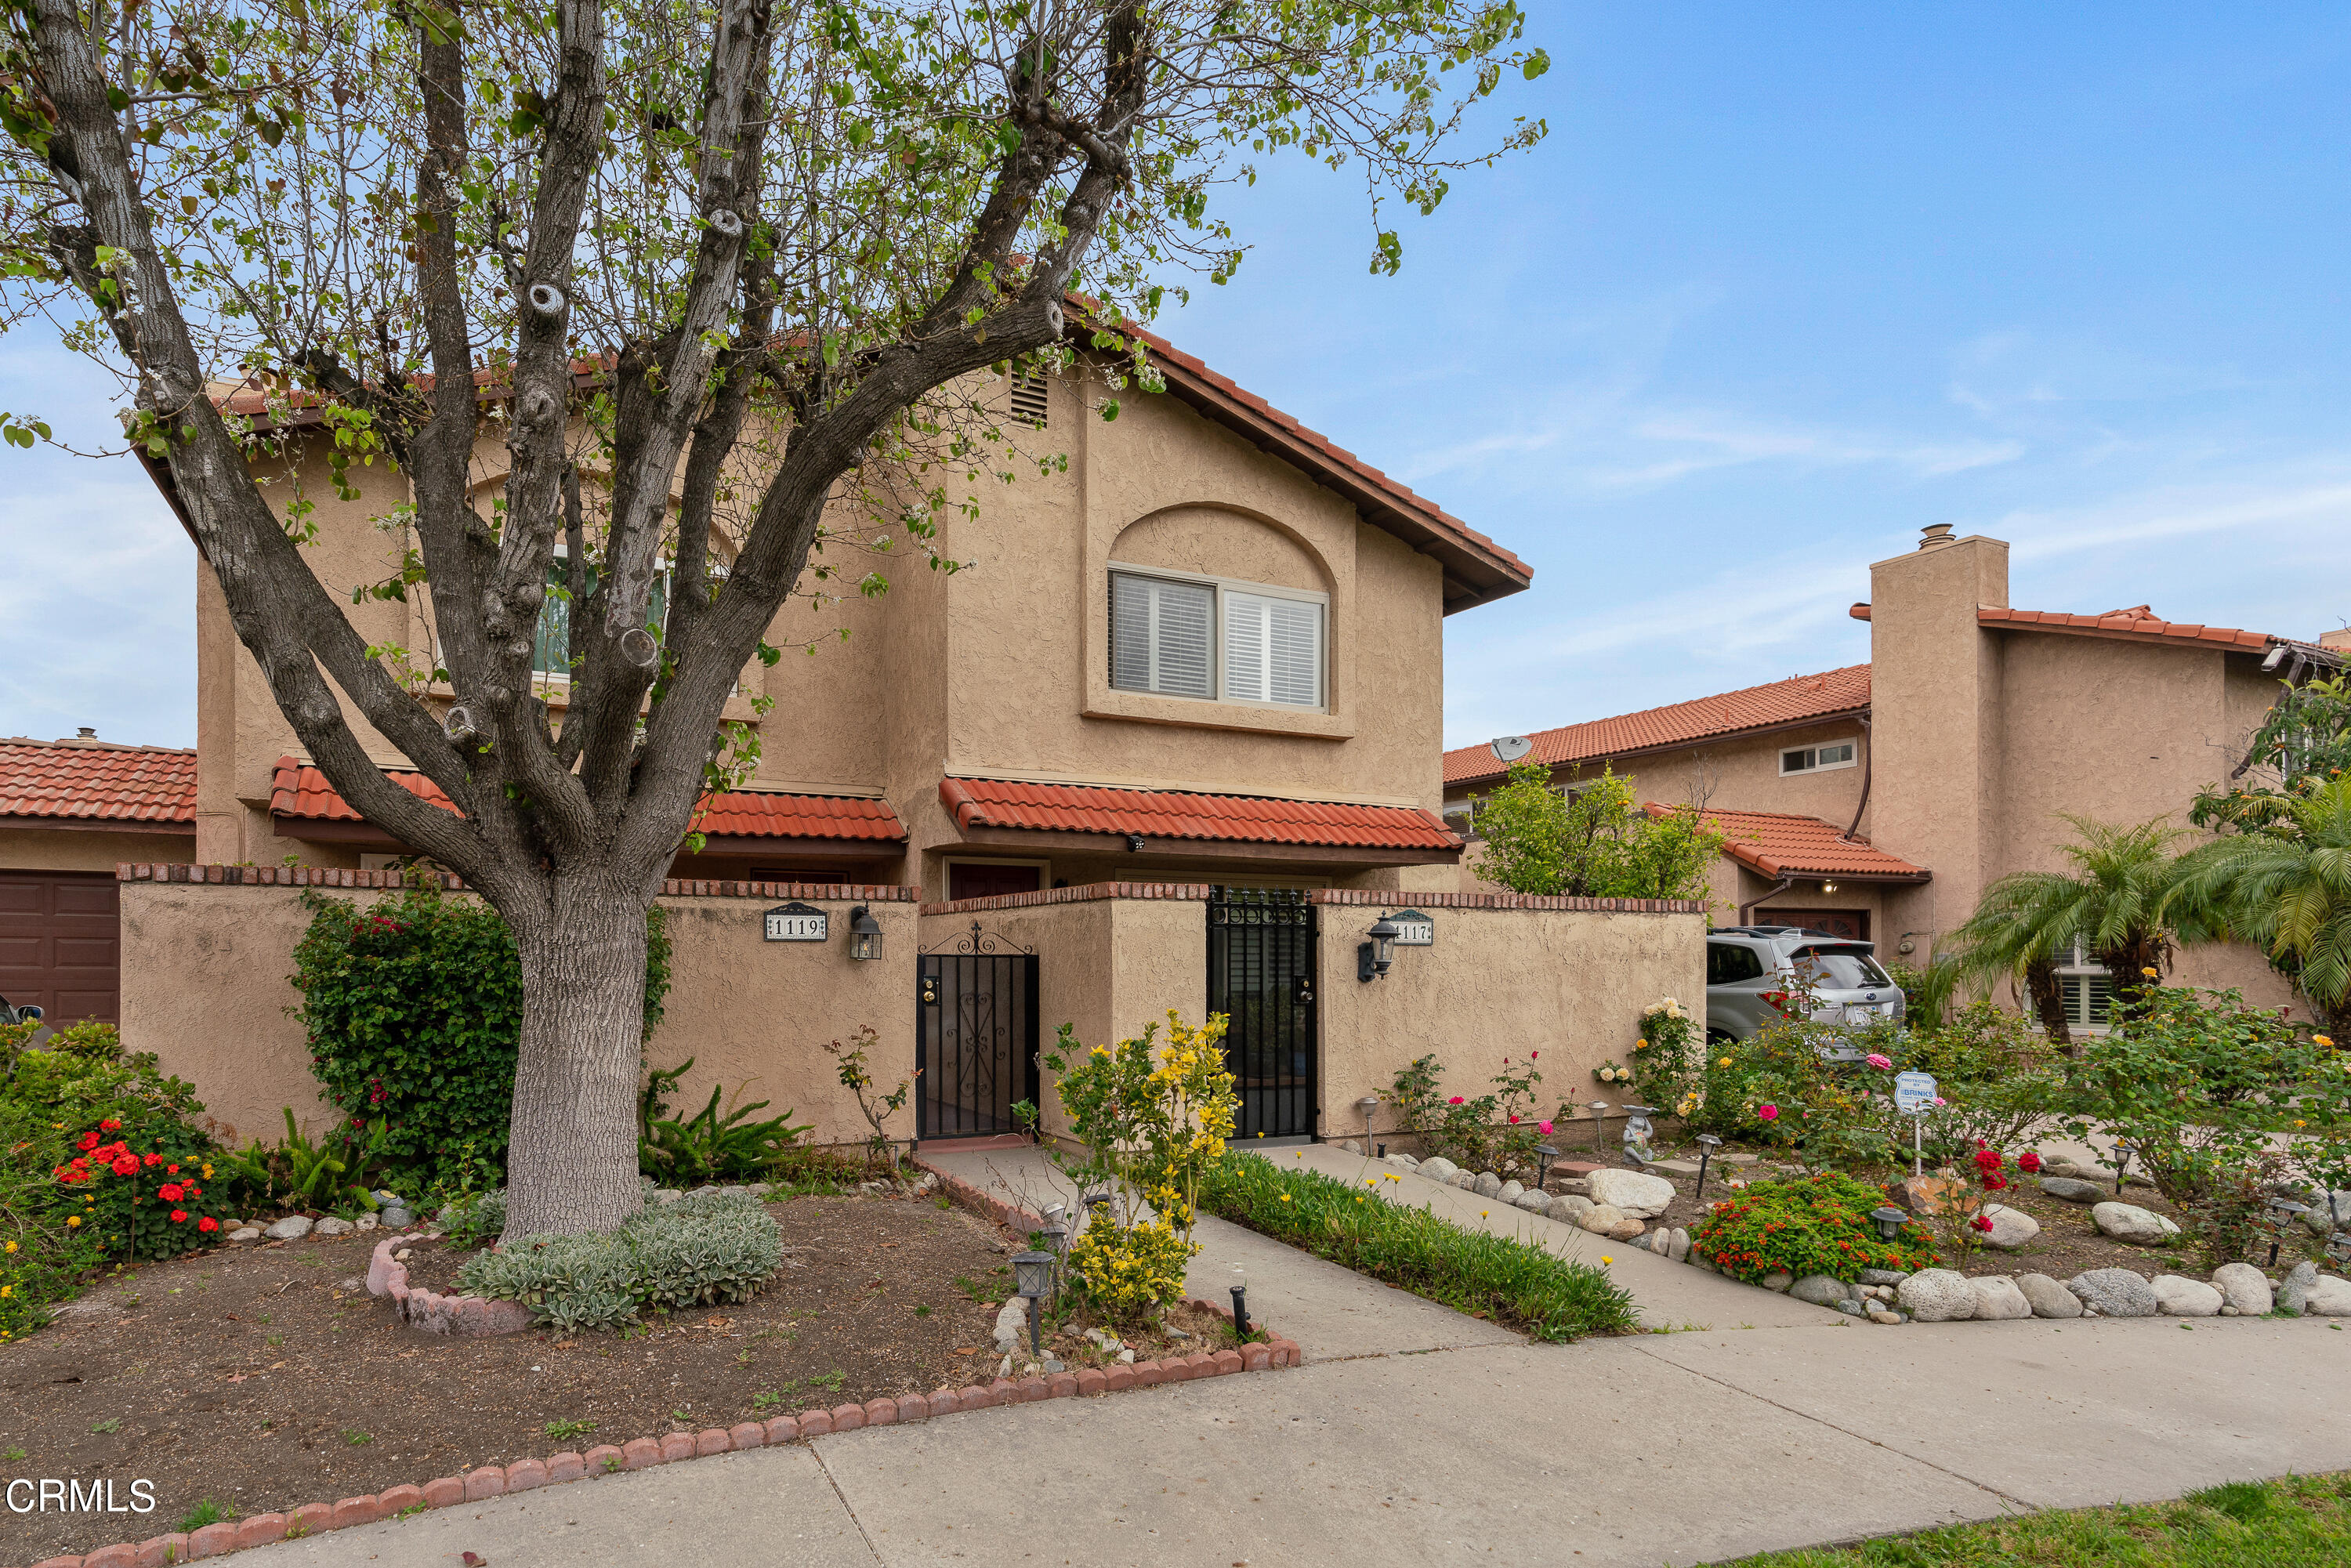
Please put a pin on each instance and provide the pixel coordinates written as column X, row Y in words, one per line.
column 207, row 952
column 1507, row 974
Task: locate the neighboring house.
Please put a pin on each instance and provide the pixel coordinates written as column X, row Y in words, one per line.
column 70, row 810
column 1879, row 800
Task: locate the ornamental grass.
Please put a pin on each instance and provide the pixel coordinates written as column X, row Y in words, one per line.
column 1493, row 1277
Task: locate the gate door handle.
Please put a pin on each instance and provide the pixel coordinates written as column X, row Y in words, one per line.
column 929, row 993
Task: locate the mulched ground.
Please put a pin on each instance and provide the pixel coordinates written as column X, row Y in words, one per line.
column 266, row 1377
column 2068, row 1243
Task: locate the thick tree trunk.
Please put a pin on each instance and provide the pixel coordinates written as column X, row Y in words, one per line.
column 2049, row 1002
column 572, row 1164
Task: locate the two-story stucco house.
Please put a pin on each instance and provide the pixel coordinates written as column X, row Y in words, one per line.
column 1880, row 799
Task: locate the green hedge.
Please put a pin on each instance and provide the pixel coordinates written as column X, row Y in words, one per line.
column 414, row 1006
column 1508, row 1281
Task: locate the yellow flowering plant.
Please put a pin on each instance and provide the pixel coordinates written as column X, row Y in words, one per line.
column 1149, row 1118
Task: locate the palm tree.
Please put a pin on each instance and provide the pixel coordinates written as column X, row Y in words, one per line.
column 2287, row 885
column 2120, row 903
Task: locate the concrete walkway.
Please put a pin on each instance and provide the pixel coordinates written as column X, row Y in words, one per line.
column 1415, row 1434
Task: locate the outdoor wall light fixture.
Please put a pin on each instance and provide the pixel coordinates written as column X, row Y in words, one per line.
column 2286, row 1212
column 1828, row 887
column 1032, row 1276
column 1706, row 1143
column 1377, row 957
column 1889, row 1221
column 865, row 933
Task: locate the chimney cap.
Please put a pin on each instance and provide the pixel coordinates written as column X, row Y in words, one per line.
column 1934, row 535
column 85, row 732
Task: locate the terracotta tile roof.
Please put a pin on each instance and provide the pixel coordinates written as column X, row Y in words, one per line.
column 1792, row 701
column 1779, row 843
column 299, row 790
column 2136, row 625
column 1181, row 814
column 96, row 781
column 1478, row 569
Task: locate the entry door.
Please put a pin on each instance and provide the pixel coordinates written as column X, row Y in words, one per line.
column 975, row 1037
column 1261, row 977
column 1853, row 925
column 61, row 944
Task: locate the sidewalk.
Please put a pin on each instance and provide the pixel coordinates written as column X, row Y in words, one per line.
column 1415, row 1434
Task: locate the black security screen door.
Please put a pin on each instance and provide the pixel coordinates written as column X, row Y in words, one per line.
column 976, row 1040
column 1261, row 977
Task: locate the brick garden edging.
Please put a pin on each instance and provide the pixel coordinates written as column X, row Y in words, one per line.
column 644, row 1453
column 429, row 1312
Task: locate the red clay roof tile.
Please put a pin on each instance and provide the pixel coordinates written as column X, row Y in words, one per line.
column 97, row 781
column 1790, row 701
column 299, row 790
column 1184, row 814
column 2136, row 625
column 1779, row 843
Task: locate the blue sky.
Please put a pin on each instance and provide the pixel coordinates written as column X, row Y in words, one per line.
column 1785, row 284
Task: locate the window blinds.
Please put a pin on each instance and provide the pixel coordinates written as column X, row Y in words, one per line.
column 1273, row 650
column 1161, row 634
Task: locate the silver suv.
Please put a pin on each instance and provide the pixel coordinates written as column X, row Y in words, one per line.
column 1751, row 968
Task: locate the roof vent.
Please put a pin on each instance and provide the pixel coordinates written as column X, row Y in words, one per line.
column 86, row 733
column 1934, row 536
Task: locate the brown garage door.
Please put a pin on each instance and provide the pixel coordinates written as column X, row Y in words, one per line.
column 61, row 944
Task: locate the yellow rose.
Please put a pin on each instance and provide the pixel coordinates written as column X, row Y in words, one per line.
column 2148, row 973
column 1724, row 1062
column 2321, row 1040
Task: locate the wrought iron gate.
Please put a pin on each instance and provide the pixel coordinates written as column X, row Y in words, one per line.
column 975, row 1037
column 1261, row 977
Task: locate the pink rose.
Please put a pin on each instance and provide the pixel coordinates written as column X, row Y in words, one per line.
column 1543, row 1127
column 1769, row 1113
column 1454, row 1101
column 1880, row 1062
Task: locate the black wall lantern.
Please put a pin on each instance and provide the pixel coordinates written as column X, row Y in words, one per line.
column 1376, row 956
column 865, row 933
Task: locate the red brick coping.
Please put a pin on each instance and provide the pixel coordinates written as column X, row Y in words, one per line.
column 429, row 1312
column 644, row 1453
column 1389, row 898
column 392, row 881
column 1086, row 893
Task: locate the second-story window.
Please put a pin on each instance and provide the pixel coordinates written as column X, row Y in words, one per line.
column 1205, row 638
column 551, row 652
column 1816, row 759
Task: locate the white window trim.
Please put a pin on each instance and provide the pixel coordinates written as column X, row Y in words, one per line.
column 1813, row 747
column 1223, row 586
column 2079, row 966
column 663, row 568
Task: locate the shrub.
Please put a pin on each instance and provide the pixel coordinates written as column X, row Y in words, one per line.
column 706, row 1146
column 1151, row 1122
column 1508, row 1281
column 2202, row 1087
column 1816, row 1225
column 1594, row 841
column 1496, row 1132
column 325, row 1173
column 692, row 1251
column 414, row 1007
column 1666, row 1059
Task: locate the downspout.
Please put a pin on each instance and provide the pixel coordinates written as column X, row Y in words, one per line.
column 1868, row 758
column 1747, row 910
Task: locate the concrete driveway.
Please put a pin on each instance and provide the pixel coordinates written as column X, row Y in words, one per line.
column 1415, row 1434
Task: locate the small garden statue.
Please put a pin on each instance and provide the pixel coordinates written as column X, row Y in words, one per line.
column 1638, row 1133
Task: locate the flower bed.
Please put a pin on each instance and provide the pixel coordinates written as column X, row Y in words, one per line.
column 1491, row 1277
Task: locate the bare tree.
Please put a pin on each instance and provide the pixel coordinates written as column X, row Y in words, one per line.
column 749, row 254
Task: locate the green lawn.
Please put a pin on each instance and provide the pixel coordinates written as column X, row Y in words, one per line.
column 2303, row 1521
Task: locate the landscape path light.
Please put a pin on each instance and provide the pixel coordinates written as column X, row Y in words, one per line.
column 1889, row 1221
column 1544, row 1154
column 1369, row 1104
column 1599, row 1109
column 1032, row 1276
column 2286, row 1211
column 1706, row 1143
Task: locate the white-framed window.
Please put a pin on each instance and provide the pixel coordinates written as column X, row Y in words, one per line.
column 2083, row 987
column 1816, row 759
column 1216, row 640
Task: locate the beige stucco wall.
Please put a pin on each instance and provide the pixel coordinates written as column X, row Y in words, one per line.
column 1498, row 983
column 206, row 986
column 74, row 849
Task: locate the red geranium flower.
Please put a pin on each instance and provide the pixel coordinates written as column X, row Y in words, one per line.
column 170, row 1170
column 179, row 1217
column 126, row 1166
column 170, row 1192
column 153, row 1160
column 109, row 1126
column 208, row 1224
column 88, row 1141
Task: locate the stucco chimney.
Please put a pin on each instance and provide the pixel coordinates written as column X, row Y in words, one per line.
column 1934, row 694
column 2336, row 639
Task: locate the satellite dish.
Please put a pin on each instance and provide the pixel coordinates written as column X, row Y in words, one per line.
column 1510, row 748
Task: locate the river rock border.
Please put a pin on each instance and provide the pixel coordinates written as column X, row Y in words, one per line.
column 644, row 1453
